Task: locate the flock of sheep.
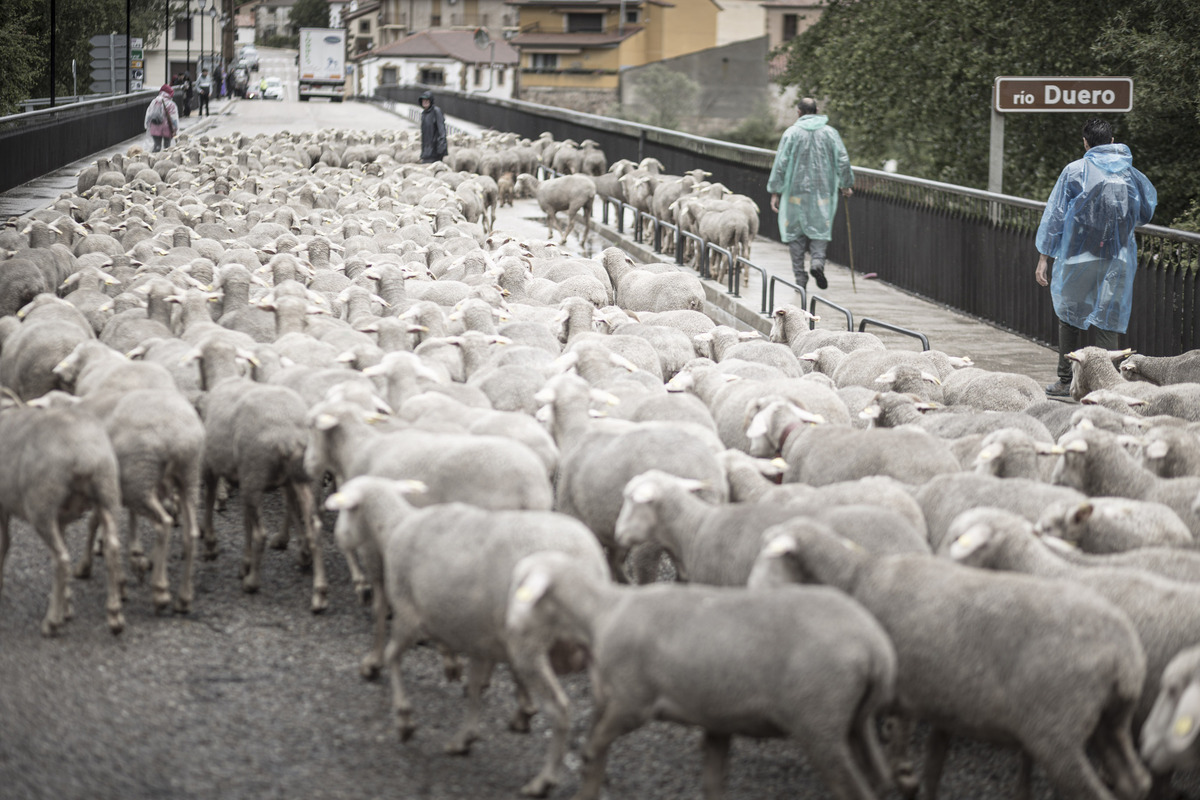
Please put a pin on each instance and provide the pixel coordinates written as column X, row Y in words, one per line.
column 511, row 435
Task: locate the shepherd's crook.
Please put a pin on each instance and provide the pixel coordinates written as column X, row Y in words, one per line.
column 850, row 244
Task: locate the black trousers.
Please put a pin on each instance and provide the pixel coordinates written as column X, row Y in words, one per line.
column 203, row 111
column 1071, row 338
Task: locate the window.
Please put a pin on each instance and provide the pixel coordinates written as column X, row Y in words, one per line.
column 388, row 75
column 433, row 77
column 435, row 21
column 631, row 16
column 791, row 24
column 500, row 77
column 543, row 60
column 364, row 26
column 478, row 76
column 585, row 23
column 183, row 29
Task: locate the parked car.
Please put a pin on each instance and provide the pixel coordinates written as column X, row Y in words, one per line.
column 273, row 90
column 250, row 55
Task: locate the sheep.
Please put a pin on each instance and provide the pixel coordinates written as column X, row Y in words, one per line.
column 986, row 390
column 32, row 352
column 1171, row 452
column 1166, row 562
column 1092, row 369
column 570, row 193
column 718, row 544
column 1114, row 525
column 893, row 409
column 990, row 655
column 1165, row 613
column 255, row 437
column 1183, row 368
column 1013, row 453
column 944, row 497
column 1168, row 739
column 1095, row 462
column 732, row 661
column 820, row 454
column 790, row 326
column 58, row 464
column 725, row 342
column 597, row 460
column 425, row 575
column 651, row 287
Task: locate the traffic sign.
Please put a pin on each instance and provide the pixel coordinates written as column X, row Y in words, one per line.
column 136, row 54
column 1063, row 95
column 136, row 64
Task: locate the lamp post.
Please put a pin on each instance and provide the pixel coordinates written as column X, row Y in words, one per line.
column 189, row 36
column 212, row 45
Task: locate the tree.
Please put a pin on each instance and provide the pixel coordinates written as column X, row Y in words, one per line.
column 913, row 81
column 310, row 14
column 669, row 95
column 21, row 60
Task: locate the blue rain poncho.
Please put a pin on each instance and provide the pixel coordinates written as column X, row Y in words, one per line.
column 811, row 165
column 1087, row 228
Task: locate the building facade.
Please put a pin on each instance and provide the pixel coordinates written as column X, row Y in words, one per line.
column 439, row 58
column 572, row 52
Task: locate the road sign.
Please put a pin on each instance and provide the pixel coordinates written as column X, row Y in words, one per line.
column 136, row 54
column 137, row 75
column 136, row 63
column 136, row 42
column 1063, row 95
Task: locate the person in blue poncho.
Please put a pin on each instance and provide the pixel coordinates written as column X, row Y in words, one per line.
column 1087, row 232
column 811, row 165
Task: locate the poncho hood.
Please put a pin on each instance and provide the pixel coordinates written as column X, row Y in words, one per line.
column 1110, row 157
column 811, row 122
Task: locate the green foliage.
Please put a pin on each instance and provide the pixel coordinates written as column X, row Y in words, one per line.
column 280, row 40
column 310, row 14
column 757, row 130
column 20, row 58
column 913, row 81
column 668, row 95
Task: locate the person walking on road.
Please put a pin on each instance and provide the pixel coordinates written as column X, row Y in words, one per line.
column 433, row 130
column 810, row 166
column 162, row 118
column 205, row 86
column 185, row 86
column 1087, row 232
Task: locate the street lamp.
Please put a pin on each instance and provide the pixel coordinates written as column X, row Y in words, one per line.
column 212, row 30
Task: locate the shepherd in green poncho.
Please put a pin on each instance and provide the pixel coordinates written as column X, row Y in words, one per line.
column 811, row 165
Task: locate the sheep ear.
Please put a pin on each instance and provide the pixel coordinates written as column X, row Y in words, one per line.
column 325, row 422
column 531, row 589
column 989, row 453
column 1157, row 449
column 887, row 377
column 970, row 541
column 748, row 335
column 623, row 362
column 601, row 396
column 760, row 425
column 1060, row 545
column 1076, row 445
column 644, row 492
column 348, row 498
column 409, row 486
column 930, row 377
column 872, row 411
column 780, row 545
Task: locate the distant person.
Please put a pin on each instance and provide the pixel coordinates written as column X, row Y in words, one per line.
column 433, row 131
column 204, row 86
column 1087, row 231
column 185, row 88
column 810, row 166
column 262, row 89
column 162, row 118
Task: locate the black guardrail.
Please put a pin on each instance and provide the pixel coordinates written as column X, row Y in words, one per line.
column 968, row 249
column 40, row 142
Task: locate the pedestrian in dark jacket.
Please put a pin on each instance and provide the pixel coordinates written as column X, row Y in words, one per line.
column 433, row 131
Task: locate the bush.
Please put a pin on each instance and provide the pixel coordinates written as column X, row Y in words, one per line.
column 280, row 40
column 757, row 130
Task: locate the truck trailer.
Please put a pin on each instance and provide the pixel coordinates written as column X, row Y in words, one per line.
column 322, row 66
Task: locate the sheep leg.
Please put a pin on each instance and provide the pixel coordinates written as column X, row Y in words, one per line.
column 532, row 667
column 372, row 662
column 83, row 570
column 451, row 666
column 869, row 753
column 835, row 763
column 479, row 673
column 1071, row 773
column 405, row 626
column 160, row 587
column 52, row 536
column 207, row 531
column 1116, row 750
column 935, row 760
column 301, row 496
column 280, row 540
column 716, row 764
column 112, row 563
column 897, row 731
column 191, row 534
column 519, row 723
column 137, row 553
column 610, row 723
column 362, row 587
column 587, row 222
column 255, row 541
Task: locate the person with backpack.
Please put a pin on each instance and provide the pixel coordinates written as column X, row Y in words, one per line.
column 162, row 118
column 1087, row 232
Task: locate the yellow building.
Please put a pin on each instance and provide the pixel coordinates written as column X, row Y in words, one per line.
column 573, row 51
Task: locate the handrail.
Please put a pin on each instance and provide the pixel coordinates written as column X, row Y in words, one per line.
column 862, row 325
column 43, row 115
column 816, row 298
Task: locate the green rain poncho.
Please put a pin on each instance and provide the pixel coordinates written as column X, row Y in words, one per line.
column 810, row 167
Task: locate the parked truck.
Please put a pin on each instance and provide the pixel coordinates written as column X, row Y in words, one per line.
column 322, row 63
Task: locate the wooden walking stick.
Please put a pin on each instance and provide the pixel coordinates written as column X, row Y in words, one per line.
column 850, row 245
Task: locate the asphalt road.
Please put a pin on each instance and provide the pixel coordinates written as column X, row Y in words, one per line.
column 252, row 696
